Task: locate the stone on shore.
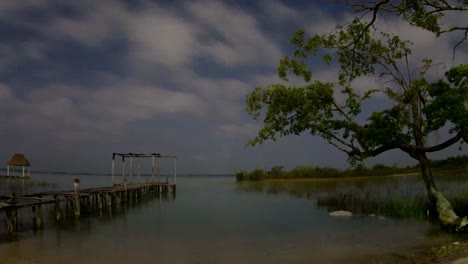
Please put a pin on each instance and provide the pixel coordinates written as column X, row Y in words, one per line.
column 341, row 213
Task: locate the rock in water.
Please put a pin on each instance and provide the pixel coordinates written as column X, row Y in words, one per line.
column 340, row 213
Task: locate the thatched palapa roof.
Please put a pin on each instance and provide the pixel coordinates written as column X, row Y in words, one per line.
column 19, row 160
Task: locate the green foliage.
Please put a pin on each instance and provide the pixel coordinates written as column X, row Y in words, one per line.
column 418, row 106
column 450, row 163
column 418, row 15
column 449, row 101
column 304, row 172
column 311, row 106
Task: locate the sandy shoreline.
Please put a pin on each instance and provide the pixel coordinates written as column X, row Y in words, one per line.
column 40, row 252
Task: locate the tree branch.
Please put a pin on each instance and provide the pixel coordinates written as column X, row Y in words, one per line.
column 333, row 136
column 460, row 42
column 376, row 10
column 340, row 110
column 339, row 147
column 445, row 144
column 442, row 8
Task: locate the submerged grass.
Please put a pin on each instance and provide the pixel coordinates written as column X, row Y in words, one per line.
column 394, row 197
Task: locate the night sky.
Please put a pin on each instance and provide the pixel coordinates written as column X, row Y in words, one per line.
column 82, row 79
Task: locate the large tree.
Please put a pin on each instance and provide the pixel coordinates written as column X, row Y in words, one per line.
column 417, row 106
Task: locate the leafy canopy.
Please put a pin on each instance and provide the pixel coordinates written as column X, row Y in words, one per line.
column 334, row 110
column 427, row 14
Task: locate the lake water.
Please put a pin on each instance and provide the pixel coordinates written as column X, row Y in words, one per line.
column 216, row 220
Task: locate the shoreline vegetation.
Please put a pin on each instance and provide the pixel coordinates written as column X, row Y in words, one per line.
column 309, row 172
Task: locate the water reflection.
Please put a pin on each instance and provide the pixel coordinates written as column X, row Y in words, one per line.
column 216, row 220
column 395, row 197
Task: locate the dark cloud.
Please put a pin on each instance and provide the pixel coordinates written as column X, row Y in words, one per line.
column 82, row 79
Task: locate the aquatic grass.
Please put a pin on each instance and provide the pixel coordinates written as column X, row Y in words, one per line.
column 396, row 207
column 394, row 197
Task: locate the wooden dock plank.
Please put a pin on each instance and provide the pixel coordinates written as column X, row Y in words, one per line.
column 10, row 201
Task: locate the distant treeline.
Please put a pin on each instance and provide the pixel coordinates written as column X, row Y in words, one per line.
column 302, row 172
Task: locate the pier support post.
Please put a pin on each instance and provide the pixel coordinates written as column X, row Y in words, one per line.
column 109, row 199
column 152, row 168
column 139, row 167
column 159, row 171
column 125, row 190
column 100, row 201
column 131, row 168
column 11, row 220
column 36, row 214
column 57, row 208
column 76, row 185
column 113, row 168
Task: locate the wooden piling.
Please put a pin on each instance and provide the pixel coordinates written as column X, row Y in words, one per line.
column 76, row 185
column 125, row 190
column 57, row 208
column 36, row 217
column 76, row 200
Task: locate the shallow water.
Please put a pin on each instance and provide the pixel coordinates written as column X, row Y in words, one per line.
column 216, row 220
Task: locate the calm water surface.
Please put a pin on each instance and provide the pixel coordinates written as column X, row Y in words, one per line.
column 216, row 220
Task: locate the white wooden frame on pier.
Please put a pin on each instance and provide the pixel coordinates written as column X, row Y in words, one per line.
column 153, row 156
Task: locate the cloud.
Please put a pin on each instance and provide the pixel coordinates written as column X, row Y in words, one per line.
column 244, row 131
column 224, row 97
column 278, row 12
column 165, row 75
column 130, row 104
column 237, row 39
column 91, row 29
column 8, row 7
column 83, row 114
column 8, row 57
column 157, row 36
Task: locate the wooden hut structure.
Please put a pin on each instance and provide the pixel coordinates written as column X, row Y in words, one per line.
column 18, row 160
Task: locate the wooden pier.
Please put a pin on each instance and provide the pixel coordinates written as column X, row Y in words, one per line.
column 5, row 177
column 78, row 199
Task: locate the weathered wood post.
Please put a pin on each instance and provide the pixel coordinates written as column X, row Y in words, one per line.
column 100, row 201
column 36, row 217
column 57, row 207
column 131, row 167
column 12, row 216
column 113, row 167
column 9, row 220
column 125, row 190
column 109, row 201
column 152, row 168
column 139, row 172
column 123, row 166
column 76, row 184
column 159, row 170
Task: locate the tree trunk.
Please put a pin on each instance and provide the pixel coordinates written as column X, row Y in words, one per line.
column 447, row 217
